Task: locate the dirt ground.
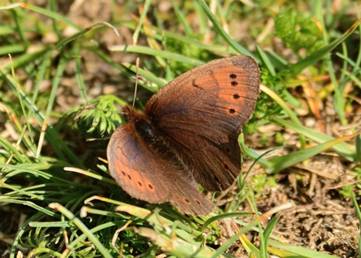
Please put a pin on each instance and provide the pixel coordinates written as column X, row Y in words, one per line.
column 312, row 212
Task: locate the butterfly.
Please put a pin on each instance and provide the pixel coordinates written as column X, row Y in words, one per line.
column 187, row 135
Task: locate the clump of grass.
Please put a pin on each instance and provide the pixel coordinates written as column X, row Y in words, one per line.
column 55, row 187
column 298, row 31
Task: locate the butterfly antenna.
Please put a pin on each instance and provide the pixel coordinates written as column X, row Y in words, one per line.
column 136, row 81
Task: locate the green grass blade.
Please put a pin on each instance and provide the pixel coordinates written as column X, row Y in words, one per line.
column 223, row 216
column 13, row 151
column 52, row 135
column 79, row 75
column 358, row 148
column 240, row 49
column 84, row 34
column 346, row 150
column 353, row 77
column 40, row 76
column 319, row 54
column 11, row 49
column 222, row 249
column 54, row 85
column 19, row 26
column 156, row 53
column 267, row 62
column 50, row 14
column 182, row 18
column 280, row 163
column 82, row 227
column 49, row 224
column 252, row 153
column 161, row 34
column 96, row 229
column 6, row 30
column 22, row 60
column 7, row 201
column 250, row 248
column 266, row 235
column 52, row 7
column 10, row 6
column 177, row 246
column 155, row 82
column 43, row 252
column 282, row 103
column 299, row 251
column 147, row 4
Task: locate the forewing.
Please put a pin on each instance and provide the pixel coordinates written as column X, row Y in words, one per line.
column 201, row 113
column 146, row 175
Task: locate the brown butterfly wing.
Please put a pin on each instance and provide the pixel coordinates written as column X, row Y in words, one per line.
column 146, row 174
column 201, row 114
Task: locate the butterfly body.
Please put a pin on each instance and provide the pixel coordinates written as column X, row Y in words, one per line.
column 186, row 135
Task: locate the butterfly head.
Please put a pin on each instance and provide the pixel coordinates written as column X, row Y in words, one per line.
column 140, row 122
column 130, row 114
